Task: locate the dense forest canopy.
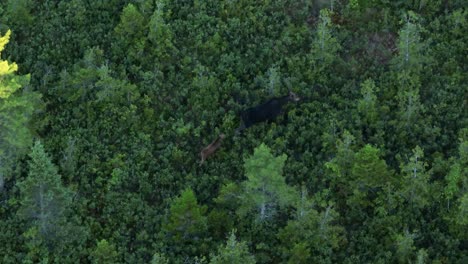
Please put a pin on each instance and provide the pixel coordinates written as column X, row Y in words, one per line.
column 106, row 105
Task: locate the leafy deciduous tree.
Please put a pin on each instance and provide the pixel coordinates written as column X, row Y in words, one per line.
column 15, row 113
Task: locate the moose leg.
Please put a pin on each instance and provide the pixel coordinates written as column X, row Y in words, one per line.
column 203, row 157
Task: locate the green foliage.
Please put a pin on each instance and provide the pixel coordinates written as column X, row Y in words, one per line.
column 15, row 114
column 415, row 185
column 133, row 90
column 15, row 137
column 462, row 213
column 410, row 45
column 312, row 235
column 131, row 22
column 340, row 166
column 20, row 11
column 44, row 203
column 265, row 189
column 160, row 34
column 234, row 252
column 159, row 259
column 325, row 45
column 43, row 196
column 367, row 106
column 186, row 226
column 368, row 169
column 405, row 247
column 274, row 81
column 104, row 253
column 453, row 179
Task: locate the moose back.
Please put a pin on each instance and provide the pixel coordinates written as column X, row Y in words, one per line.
column 266, row 111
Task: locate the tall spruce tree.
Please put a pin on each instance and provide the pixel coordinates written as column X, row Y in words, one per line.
column 415, row 187
column 186, row 226
column 43, row 204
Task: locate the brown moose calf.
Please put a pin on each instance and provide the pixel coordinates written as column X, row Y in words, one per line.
column 211, row 148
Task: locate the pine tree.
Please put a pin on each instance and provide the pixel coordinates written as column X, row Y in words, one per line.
column 369, row 115
column 368, row 103
column 369, row 168
column 131, row 22
column 159, row 259
column 104, row 253
column 415, row 186
column 325, row 45
column 323, row 54
column 456, row 191
column 408, row 67
column 265, row 189
column 130, row 38
column 274, row 81
column 312, row 236
column 457, row 177
column 186, row 226
column 410, row 45
column 405, row 248
column 160, row 34
column 43, row 198
column 233, row 252
column 340, row 166
column 369, row 172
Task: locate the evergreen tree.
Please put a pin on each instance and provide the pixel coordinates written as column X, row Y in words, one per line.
column 130, row 39
column 415, row 185
column 410, row 45
column 341, row 164
column 369, row 173
column 322, row 56
column 409, row 62
column 405, row 247
column 368, row 103
column 457, row 177
column 160, row 34
column 265, row 189
column 44, row 201
column 312, row 236
column 369, row 113
column 456, row 191
column 104, row 253
column 234, row 252
column 325, row 45
column 186, row 226
column 369, row 169
column 135, row 89
column 159, row 259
